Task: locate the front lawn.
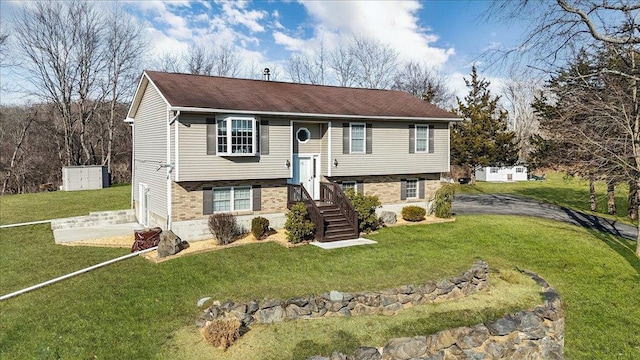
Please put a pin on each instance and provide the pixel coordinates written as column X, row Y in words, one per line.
column 134, row 309
column 570, row 192
column 58, row 204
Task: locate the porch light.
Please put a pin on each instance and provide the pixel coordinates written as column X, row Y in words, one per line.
column 335, row 162
column 287, row 163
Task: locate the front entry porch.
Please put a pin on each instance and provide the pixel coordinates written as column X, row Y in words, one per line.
column 331, row 212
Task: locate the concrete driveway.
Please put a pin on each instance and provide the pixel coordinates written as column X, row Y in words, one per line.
column 501, row 204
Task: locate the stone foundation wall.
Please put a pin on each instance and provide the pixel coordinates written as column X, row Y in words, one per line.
column 530, row 334
column 335, row 303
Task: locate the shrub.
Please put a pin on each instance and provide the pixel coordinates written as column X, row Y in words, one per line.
column 365, row 206
column 224, row 227
column 223, row 333
column 442, row 206
column 298, row 225
column 260, row 227
column 413, row 213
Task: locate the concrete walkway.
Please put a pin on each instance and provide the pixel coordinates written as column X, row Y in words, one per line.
column 98, row 232
column 501, row 204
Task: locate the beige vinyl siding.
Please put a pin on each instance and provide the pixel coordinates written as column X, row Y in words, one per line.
column 314, row 145
column 390, row 151
column 151, row 150
column 195, row 165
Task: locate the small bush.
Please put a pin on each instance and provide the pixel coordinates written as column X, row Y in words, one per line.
column 442, row 206
column 224, row 228
column 298, row 225
column 365, row 206
column 223, row 333
column 413, row 213
column 260, row 227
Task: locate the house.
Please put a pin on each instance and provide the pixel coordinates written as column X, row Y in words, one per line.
column 502, row 173
column 204, row 144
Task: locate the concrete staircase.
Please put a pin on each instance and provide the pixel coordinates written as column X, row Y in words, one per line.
column 337, row 226
column 95, row 219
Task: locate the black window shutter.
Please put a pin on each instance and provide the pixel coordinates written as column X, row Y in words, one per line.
column 257, row 197
column 369, row 138
column 346, row 134
column 212, row 136
column 264, row 137
column 412, row 139
column 360, row 187
column 403, row 189
column 421, row 188
column 431, row 127
column 207, row 201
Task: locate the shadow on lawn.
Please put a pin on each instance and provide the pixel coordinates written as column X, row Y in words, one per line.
column 577, row 199
column 338, row 341
column 624, row 247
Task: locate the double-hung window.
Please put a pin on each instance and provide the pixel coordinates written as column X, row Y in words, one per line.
column 236, row 136
column 422, row 138
column 412, row 188
column 519, row 170
column 493, row 170
column 236, row 198
column 358, row 138
column 346, row 185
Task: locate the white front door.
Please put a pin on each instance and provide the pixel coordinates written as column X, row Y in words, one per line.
column 306, row 172
column 143, row 202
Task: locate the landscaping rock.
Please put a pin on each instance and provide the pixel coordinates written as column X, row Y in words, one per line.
column 336, row 296
column 405, row 348
column 367, row 353
column 502, row 326
column 388, row 217
column 170, row 244
column 270, row 315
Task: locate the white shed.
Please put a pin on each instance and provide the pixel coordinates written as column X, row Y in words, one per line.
column 502, row 173
column 85, row 177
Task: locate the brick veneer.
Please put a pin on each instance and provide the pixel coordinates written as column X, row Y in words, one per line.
column 387, row 187
column 187, row 197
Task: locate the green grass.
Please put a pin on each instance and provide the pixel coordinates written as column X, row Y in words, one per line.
column 57, row 204
column 135, row 309
column 323, row 336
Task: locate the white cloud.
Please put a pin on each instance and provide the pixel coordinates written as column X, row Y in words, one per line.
column 236, row 12
column 290, row 43
column 394, row 23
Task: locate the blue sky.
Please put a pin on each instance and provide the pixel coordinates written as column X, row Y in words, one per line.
column 447, row 35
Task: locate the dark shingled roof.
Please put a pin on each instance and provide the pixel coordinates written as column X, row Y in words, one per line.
column 212, row 92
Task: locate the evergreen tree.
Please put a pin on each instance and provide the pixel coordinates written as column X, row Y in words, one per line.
column 481, row 138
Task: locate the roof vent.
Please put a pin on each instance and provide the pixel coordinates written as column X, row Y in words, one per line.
column 265, row 74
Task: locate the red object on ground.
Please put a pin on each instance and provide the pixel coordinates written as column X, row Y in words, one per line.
column 146, row 238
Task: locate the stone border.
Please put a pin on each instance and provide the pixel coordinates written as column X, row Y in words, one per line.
column 335, row 303
column 529, row 334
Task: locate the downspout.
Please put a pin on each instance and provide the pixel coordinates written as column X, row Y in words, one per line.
column 131, row 122
column 169, row 168
column 64, row 277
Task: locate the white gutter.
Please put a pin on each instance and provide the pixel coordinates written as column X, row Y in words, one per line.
column 295, row 114
column 64, row 277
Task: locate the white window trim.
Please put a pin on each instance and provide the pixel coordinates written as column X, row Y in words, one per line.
column 232, row 198
column 355, row 185
column 364, row 138
column 415, row 145
column 417, row 189
column 493, row 170
column 229, row 119
column 519, row 170
column 308, row 135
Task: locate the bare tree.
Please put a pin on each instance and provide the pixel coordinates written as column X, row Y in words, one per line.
column 375, row 63
column 168, row 62
column 123, row 48
column 597, row 27
column 309, row 69
column 343, row 63
column 21, row 120
column 518, row 93
column 424, row 83
column 226, row 62
column 199, row 60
